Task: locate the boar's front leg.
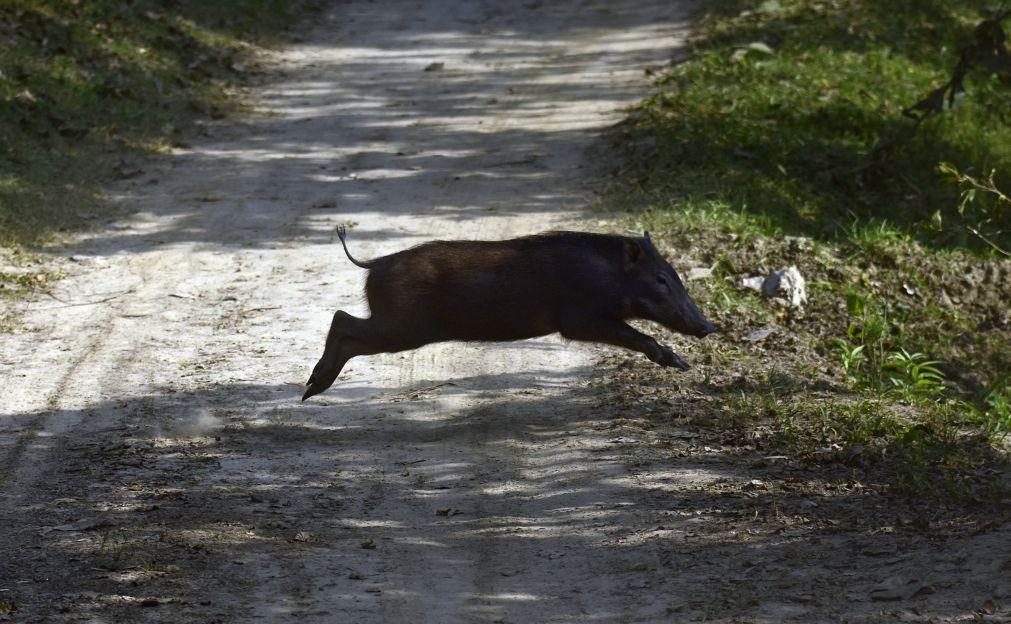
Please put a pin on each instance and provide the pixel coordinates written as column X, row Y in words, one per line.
column 621, row 334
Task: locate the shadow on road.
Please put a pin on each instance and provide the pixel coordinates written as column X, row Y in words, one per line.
column 249, row 487
column 421, row 121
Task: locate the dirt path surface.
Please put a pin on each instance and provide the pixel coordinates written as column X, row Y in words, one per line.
column 156, row 464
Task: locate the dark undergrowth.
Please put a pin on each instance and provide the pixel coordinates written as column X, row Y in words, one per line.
column 86, row 84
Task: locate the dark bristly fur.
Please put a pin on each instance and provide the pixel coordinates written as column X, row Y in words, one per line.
column 584, row 286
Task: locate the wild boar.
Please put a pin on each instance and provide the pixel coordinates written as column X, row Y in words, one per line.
column 583, row 286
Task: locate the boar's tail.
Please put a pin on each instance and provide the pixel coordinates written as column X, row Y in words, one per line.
column 342, row 233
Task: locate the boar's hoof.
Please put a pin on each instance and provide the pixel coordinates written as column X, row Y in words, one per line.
column 670, row 359
column 315, row 386
column 322, row 378
column 312, row 390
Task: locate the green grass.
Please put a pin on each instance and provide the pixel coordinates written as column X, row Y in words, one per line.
column 787, row 134
column 85, row 83
column 760, row 153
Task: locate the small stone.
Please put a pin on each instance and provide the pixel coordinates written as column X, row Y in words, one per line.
column 759, row 334
column 697, row 273
column 798, row 243
column 788, row 283
column 26, row 97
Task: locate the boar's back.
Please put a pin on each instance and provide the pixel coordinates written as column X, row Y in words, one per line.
column 497, row 290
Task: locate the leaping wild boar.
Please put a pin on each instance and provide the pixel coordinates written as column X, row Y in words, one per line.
column 584, row 286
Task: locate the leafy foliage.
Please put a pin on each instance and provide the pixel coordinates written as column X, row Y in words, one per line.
column 913, row 376
column 982, row 208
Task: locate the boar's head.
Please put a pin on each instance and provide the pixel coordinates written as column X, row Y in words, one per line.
column 656, row 293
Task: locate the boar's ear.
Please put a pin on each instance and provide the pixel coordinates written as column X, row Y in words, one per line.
column 645, row 235
column 632, row 254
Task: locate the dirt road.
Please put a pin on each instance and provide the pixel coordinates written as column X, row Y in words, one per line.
column 157, row 465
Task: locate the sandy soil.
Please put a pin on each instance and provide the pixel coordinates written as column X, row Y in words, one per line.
column 158, row 466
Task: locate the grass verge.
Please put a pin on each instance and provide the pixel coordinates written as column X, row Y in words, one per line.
column 86, row 84
column 763, row 151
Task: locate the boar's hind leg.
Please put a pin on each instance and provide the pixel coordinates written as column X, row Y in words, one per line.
column 350, row 336
column 343, row 329
column 621, row 334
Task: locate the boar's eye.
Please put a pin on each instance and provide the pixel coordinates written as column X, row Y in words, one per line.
column 662, row 280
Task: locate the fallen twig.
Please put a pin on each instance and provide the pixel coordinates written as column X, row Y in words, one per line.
column 84, row 303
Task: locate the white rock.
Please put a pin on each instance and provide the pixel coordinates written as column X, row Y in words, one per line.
column 787, row 283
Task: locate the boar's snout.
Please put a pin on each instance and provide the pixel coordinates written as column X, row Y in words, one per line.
column 684, row 317
column 694, row 324
column 706, row 329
